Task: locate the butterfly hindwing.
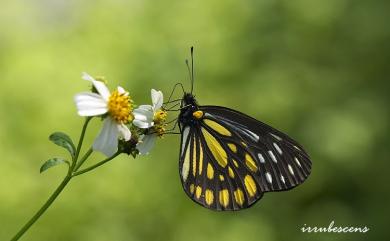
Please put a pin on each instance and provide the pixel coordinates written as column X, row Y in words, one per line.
column 207, row 180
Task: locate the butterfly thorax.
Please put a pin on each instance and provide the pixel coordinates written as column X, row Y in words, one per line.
column 190, row 113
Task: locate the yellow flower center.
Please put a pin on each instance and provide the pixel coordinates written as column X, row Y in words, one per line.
column 120, row 107
column 159, row 119
column 160, row 116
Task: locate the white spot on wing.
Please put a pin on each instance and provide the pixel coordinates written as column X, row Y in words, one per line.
column 186, row 164
column 278, row 148
column 261, row 158
column 290, row 169
column 297, row 148
column 208, row 115
column 297, row 161
column 254, row 136
column 276, row 137
column 184, row 140
column 269, row 177
column 282, row 179
column 271, row 154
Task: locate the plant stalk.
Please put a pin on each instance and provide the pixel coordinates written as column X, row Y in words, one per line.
column 96, row 165
column 43, row 208
column 61, row 187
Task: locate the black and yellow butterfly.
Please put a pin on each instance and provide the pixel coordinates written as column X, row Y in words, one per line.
column 228, row 160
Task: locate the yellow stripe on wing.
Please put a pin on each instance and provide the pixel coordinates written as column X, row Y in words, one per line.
column 194, row 157
column 215, row 147
column 217, row 127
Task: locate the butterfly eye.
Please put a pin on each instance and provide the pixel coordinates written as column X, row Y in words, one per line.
column 198, row 114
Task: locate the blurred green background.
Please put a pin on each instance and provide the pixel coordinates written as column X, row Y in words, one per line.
column 317, row 70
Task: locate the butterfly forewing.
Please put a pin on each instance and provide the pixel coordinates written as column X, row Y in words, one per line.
column 281, row 161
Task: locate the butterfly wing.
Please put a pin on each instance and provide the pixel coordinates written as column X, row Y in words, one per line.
column 273, row 151
column 229, row 160
column 206, row 176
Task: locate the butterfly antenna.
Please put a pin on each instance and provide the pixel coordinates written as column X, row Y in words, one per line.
column 173, row 91
column 189, row 70
column 192, row 69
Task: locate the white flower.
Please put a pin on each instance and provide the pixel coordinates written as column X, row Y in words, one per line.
column 147, row 116
column 146, row 143
column 144, row 114
column 118, row 107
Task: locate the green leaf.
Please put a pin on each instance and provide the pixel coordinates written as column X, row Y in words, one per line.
column 51, row 163
column 63, row 140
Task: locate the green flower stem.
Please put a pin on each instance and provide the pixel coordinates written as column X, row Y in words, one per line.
column 82, row 160
column 43, row 208
column 96, row 165
column 63, row 184
column 79, row 145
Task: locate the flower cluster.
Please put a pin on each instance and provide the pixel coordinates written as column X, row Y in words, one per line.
column 130, row 130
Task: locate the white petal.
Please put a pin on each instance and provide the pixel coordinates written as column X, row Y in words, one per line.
column 90, row 104
column 143, row 124
column 122, row 91
column 146, row 107
column 99, row 86
column 107, row 140
column 142, row 114
column 124, row 132
column 86, row 76
column 143, row 118
column 146, row 144
column 157, row 99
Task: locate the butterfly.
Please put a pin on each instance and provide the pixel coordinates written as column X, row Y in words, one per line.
column 228, row 159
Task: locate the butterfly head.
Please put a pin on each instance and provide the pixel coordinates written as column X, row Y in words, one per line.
column 190, row 113
column 189, row 100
